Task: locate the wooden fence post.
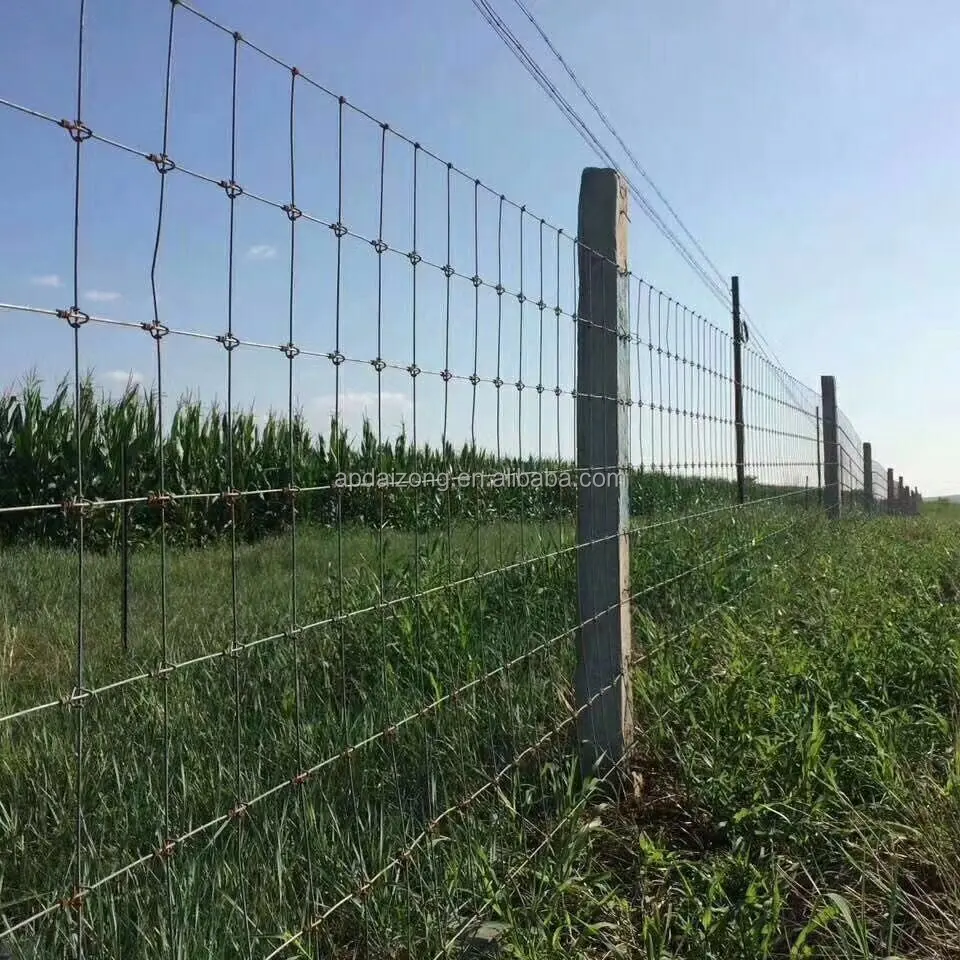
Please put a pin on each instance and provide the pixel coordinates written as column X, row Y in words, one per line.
column 604, row 648
column 831, row 448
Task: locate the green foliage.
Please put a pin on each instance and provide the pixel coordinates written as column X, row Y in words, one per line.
column 796, row 782
column 124, row 451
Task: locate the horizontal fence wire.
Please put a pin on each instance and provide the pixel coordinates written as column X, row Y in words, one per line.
column 297, row 680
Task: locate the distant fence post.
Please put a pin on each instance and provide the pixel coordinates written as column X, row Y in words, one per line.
column 831, row 447
column 738, row 386
column 868, row 477
column 604, row 647
column 819, row 464
column 890, row 493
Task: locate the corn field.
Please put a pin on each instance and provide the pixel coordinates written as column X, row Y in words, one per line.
column 124, row 451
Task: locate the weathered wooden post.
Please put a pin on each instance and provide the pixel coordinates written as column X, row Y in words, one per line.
column 602, row 679
column 831, row 448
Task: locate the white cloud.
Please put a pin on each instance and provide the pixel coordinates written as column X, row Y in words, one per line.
column 122, row 378
column 47, row 280
column 261, row 251
column 356, row 404
column 102, row 296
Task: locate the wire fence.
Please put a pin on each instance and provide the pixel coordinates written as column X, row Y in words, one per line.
column 317, row 678
column 882, row 494
column 851, row 461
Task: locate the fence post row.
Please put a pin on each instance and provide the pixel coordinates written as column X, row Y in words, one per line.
column 868, row 476
column 738, row 385
column 602, row 678
column 831, row 448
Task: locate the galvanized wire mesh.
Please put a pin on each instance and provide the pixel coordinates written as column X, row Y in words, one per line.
column 879, row 487
column 851, row 462
column 289, row 685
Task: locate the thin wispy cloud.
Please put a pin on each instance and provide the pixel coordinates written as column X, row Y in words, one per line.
column 47, row 280
column 261, row 251
column 102, row 296
column 359, row 402
column 123, row 378
column 356, row 406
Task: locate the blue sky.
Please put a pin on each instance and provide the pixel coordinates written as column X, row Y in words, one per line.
column 807, row 145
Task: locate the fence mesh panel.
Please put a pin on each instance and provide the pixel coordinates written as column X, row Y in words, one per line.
column 300, row 647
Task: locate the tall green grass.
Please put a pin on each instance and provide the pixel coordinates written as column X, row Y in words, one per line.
column 796, row 769
column 228, row 728
column 795, row 777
